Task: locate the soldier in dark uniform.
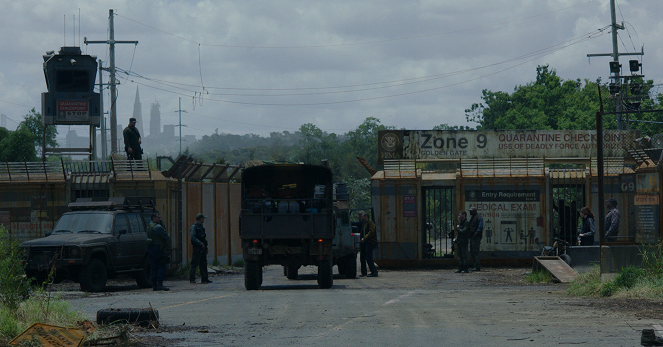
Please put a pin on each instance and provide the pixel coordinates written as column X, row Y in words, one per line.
column 158, row 241
column 370, row 239
column 132, row 141
column 199, row 254
column 476, row 233
column 463, row 240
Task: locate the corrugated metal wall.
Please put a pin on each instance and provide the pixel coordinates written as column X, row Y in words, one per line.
column 30, row 209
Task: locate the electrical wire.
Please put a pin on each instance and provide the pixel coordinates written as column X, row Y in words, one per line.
column 355, row 43
column 395, row 83
column 538, row 55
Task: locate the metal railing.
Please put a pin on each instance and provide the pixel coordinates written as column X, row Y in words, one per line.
column 44, row 171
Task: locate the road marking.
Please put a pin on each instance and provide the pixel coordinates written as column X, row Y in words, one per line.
column 398, row 298
column 659, row 329
column 194, row 302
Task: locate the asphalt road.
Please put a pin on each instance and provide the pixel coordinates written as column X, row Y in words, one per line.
column 400, row 308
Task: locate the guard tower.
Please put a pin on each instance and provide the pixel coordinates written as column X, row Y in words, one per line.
column 70, row 100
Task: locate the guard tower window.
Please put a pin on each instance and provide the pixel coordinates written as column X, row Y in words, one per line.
column 72, row 81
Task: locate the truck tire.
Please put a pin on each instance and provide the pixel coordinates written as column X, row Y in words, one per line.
column 93, row 276
column 350, row 265
column 341, row 264
column 252, row 275
column 139, row 316
column 293, row 271
column 142, row 277
column 325, row 274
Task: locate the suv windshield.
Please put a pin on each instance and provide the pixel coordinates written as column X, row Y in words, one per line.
column 85, row 223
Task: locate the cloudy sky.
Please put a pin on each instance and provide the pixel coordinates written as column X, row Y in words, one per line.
column 262, row 66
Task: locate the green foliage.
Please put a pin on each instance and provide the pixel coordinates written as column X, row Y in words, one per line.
column 539, row 277
column 13, row 284
column 359, row 191
column 239, row 263
column 40, row 307
column 652, row 260
column 551, row 103
column 587, row 284
column 629, row 276
column 32, row 122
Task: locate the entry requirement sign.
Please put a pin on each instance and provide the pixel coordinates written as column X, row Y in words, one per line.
column 480, row 144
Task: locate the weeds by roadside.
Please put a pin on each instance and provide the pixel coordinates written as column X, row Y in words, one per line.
column 21, row 305
column 645, row 281
column 538, row 277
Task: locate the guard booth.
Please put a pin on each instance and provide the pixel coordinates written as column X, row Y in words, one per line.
column 71, row 99
column 528, row 186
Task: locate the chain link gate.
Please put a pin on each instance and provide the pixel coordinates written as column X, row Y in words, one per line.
column 438, row 222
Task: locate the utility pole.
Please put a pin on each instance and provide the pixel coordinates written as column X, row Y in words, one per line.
column 104, row 148
column 615, row 66
column 180, row 112
column 113, row 112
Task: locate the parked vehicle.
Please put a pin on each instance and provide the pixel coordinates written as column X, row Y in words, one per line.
column 99, row 239
column 558, row 249
column 289, row 218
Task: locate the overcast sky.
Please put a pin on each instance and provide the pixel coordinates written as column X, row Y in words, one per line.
column 264, row 66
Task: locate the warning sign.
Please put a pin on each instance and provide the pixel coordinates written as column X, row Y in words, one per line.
column 73, row 110
column 51, row 335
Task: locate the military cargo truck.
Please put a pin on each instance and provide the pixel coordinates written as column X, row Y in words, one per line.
column 289, row 218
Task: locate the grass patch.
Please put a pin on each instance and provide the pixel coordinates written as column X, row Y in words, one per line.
column 538, row 277
column 239, row 263
column 645, row 281
column 39, row 308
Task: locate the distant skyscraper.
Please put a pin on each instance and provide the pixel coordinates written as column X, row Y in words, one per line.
column 138, row 114
column 155, row 119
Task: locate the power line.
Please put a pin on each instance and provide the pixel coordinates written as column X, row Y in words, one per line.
column 355, row 43
column 535, row 56
column 378, row 85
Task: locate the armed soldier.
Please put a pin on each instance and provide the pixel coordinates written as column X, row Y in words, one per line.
column 132, row 141
column 462, row 241
column 476, row 233
column 199, row 254
column 158, row 241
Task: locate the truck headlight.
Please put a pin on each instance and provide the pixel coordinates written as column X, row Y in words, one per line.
column 74, row 252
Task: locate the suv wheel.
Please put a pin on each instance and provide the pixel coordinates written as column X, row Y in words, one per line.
column 143, row 276
column 93, row 276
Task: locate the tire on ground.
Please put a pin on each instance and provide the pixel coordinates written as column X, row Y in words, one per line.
column 142, row 277
column 325, row 274
column 293, row 271
column 350, row 263
column 566, row 258
column 252, row 275
column 139, row 316
column 93, row 276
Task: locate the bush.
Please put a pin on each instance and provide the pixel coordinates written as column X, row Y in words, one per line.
column 13, row 284
column 629, row 276
column 653, row 260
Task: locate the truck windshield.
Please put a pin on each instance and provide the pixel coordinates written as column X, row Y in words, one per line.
column 85, row 223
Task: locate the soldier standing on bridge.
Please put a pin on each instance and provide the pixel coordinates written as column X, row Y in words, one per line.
column 132, row 141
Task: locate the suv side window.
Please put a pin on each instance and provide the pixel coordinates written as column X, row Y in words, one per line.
column 121, row 223
column 137, row 225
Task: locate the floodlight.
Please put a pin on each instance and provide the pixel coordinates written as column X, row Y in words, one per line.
column 615, row 66
column 634, row 65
